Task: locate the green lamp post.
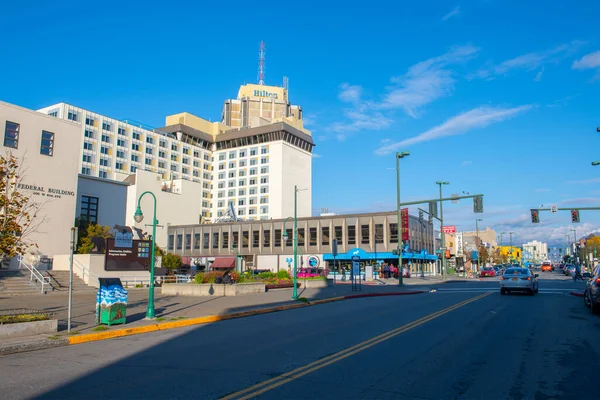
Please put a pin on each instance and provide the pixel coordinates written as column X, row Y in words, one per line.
column 399, row 156
column 138, row 217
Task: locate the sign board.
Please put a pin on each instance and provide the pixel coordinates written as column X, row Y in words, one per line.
column 404, row 219
column 459, row 245
column 136, row 258
column 355, row 266
column 124, row 240
column 334, row 247
column 554, row 209
column 449, row 229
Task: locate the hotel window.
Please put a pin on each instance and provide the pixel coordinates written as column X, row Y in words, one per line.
column 252, row 190
column 325, row 236
column 106, row 138
column 119, row 165
column 162, row 144
column 72, row 115
column 205, row 240
column 225, row 243
column 393, row 233
column 11, row 134
column 231, row 174
column 266, row 238
column 242, row 211
column 170, row 242
column 47, row 146
column 89, row 209
column 235, row 237
column 277, row 241
column 242, row 182
column 264, row 200
column 196, row 164
column 121, row 142
column 179, row 242
column 252, row 181
column 104, row 162
column 252, row 171
column 338, row 234
column 300, row 236
column 221, row 167
column 173, row 157
column 104, row 150
column 264, row 160
column 86, row 171
column 89, row 134
column 135, row 146
column 253, row 152
column 136, row 135
column 215, row 240
column 378, row 233
column 86, row 145
column 89, row 121
column 106, row 126
column 87, row 158
column 232, row 155
column 264, row 189
column 161, row 164
column 264, row 210
column 149, row 140
column 222, row 157
column 120, row 154
column 188, row 241
column 149, row 150
column 255, row 238
column 351, row 234
column 134, row 158
column 231, row 193
column 220, row 204
column 221, row 175
column 102, row 174
column 185, row 160
column 173, row 168
column 245, row 239
column 231, row 184
column 121, row 131
column 252, row 211
column 241, row 202
column 196, row 241
column 253, row 161
column 312, row 232
column 264, row 150
column 242, row 153
column 242, row 163
column 221, row 185
column 241, row 192
column 231, row 165
column 186, row 150
column 148, row 161
column 365, row 234
column 196, row 154
column 252, row 200
column 264, row 170
column 174, row 147
column 264, row 179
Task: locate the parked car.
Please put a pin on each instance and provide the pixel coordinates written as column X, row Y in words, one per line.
column 591, row 296
column 519, row 279
column 499, row 269
column 487, row 272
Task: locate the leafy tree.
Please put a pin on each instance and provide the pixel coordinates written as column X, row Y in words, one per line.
column 19, row 213
column 483, row 253
column 171, row 261
column 91, row 231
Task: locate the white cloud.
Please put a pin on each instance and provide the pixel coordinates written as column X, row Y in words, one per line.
column 350, row 93
column 465, row 163
column 426, row 81
column 585, row 181
column 452, row 13
column 315, row 155
column 308, row 119
column 541, row 190
column 361, row 120
column 460, row 124
column 529, row 61
column 538, row 77
column 588, row 61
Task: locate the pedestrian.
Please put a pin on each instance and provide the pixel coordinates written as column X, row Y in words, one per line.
column 386, row 271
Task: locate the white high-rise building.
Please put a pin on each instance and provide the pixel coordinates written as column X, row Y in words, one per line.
column 537, row 250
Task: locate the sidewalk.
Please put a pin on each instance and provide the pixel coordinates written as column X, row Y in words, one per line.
column 167, row 308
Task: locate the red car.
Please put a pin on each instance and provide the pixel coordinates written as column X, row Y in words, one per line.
column 487, row 271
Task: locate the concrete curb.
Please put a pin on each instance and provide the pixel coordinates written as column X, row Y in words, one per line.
column 162, row 326
column 577, row 294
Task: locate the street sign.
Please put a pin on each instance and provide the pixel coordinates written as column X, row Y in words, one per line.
column 334, row 247
column 554, row 209
column 449, row 229
column 454, row 197
column 355, row 266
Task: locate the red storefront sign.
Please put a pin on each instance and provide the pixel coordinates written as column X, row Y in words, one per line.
column 449, row 229
column 404, row 219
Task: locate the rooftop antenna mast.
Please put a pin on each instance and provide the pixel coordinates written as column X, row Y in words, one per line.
column 261, row 64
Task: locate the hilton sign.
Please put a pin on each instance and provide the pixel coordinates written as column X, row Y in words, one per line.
column 264, row 93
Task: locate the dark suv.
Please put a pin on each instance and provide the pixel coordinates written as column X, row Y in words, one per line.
column 591, row 297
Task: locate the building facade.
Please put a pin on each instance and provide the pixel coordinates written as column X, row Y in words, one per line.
column 535, row 251
column 49, row 150
column 261, row 244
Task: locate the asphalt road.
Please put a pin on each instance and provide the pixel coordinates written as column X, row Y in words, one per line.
column 461, row 341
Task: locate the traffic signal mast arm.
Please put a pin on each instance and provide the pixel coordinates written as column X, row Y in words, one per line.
column 431, row 215
column 410, row 203
column 568, row 209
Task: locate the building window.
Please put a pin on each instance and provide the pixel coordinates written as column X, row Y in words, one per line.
column 242, row 163
column 106, row 126
column 86, row 171
column 264, row 160
column 264, row 210
column 277, row 238
column 72, row 115
column 338, row 234
column 135, row 146
column 264, row 179
column 188, row 241
column 104, row 162
column 252, row 211
column 196, row 241
column 264, row 189
column 104, row 150
column 255, row 238
column 264, row 200
column 11, row 135
column 171, row 241
column 312, row 236
column 300, row 236
column 351, row 235
column 325, row 236
column 121, row 131
column 241, row 202
column 253, row 152
column 378, row 233
column 87, row 158
column 89, row 209
column 365, row 234
column 174, row 147
column 148, row 161
column 253, row 161
column 149, row 151
column 266, row 238
column 119, row 165
column 205, row 240
column 245, row 239
column 186, row 150
column 225, row 243
column 89, row 121
column 47, row 146
column 121, row 142
column 264, row 150
column 134, row 158
column 393, row 233
column 264, row 170
column 252, row 171
column 89, row 134
column 215, row 240
column 179, row 241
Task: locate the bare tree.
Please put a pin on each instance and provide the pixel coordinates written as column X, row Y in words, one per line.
column 19, row 212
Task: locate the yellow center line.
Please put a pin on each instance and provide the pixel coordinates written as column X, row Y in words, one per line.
column 323, row 362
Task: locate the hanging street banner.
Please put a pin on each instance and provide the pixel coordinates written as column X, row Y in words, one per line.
column 459, row 244
column 404, row 219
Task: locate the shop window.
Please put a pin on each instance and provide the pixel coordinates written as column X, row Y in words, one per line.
column 351, row 235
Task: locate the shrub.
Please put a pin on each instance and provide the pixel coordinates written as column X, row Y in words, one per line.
column 282, row 274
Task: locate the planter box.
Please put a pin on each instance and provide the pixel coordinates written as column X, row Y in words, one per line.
column 315, row 283
column 212, row 289
column 28, row 328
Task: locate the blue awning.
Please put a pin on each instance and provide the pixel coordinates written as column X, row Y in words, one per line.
column 423, row 255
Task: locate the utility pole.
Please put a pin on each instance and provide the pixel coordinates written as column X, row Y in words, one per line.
column 511, row 245
column 441, row 183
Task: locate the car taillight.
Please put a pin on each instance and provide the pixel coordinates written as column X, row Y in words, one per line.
column 527, row 279
column 597, row 281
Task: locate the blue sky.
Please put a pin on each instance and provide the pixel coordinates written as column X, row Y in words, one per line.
column 498, row 97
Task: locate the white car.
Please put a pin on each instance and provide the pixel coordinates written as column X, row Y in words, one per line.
column 518, row 280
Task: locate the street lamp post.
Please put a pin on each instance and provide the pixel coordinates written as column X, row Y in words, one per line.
column 568, row 236
column 295, row 240
column 399, row 155
column 138, row 217
column 511, row 246
column 441, row 183
column 478, row 241
column 574, row 243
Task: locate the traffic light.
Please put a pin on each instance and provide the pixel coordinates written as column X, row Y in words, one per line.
column 478, row 204
column 535, row 217
column 574, row 216
column 420, row 215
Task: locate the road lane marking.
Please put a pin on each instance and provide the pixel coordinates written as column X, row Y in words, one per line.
column 273, row 383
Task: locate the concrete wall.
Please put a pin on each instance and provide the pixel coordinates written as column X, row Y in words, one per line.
column 90, row 267
column 51, row 180
column 209, row 289
column 28, row 329
column 112, row 198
